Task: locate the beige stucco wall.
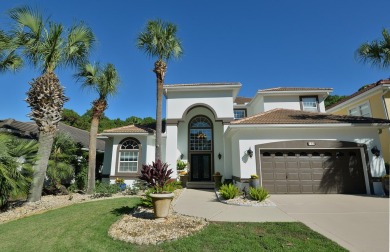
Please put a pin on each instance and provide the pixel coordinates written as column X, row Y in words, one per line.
column 377, row 111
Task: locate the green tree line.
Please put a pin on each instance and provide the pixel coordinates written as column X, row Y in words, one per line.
column 72, row 118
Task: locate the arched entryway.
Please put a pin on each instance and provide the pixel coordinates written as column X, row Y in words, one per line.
column 200, row 147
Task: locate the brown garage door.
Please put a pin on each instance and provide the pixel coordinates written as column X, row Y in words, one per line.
column 312, row 171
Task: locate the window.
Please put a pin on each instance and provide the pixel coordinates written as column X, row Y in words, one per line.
column 128, row 156
column 309, row 103
column 201, row 134
column 361, row 110
column 239, row 113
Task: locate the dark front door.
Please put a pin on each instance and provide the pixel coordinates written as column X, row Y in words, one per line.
column 200, row 167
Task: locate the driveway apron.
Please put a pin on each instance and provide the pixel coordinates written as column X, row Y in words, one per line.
column 358, row 223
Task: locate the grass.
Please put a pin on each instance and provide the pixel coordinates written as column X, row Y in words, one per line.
column 83, row 227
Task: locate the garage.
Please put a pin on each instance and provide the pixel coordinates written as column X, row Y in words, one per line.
column 289, row 170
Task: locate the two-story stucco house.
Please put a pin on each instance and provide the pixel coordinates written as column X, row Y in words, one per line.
column 281, row 134
column 371, row 101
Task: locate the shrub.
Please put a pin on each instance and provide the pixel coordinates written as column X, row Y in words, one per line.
column 254, row 176
column 103, row 189
column 258, row 194
column 229, row 191
column 180, row 165
column 147, row 200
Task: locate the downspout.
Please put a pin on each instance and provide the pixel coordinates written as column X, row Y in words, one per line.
column 384, row 104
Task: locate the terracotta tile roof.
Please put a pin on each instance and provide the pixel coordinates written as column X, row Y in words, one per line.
column 367, row 88
column 242, row 100
column 288, row 116
column 30, row 130
column 133, row 128
column 294, row 89
column 202, row 84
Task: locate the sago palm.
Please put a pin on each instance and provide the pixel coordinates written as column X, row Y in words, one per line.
column 159, row 40
column 47, row 45
column 16, row 159
column 105, row 81
column 376, row 52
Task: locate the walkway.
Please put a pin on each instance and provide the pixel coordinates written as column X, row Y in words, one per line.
column 358, row 223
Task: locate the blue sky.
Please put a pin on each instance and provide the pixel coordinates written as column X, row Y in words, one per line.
column 261, row 44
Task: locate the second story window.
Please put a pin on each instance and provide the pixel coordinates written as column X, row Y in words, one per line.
column 239, row 113
column 309, row 103
column 361, row 110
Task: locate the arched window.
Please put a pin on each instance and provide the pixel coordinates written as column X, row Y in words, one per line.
column 129, row 156
column 201, row 134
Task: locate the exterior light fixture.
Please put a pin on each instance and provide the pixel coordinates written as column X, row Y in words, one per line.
column 181, row 156
column 219, row 155
column 249, row 152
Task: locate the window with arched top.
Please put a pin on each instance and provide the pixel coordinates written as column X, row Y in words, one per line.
column 129, row 152
column 200, row 134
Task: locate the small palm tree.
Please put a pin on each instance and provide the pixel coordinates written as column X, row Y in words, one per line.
column 105, row 82
column 376, row 52
column 47, row 45
column 159, row 40
column 16, row 159
column 9, row 60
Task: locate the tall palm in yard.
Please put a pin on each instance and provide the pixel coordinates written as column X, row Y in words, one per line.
column 376, row 52
column 47, row 45
column 159, row 40
column 105, row 82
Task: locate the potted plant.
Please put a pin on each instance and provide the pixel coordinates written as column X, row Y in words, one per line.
column 183, row 175
column 254, row 181
column 217, row 180
column 156, row 176
column 121, row 183
column 385, row 184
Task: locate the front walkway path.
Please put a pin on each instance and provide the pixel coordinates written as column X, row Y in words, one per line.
column 358, row 223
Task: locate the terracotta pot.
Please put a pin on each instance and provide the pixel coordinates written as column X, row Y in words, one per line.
column 217, row 181
column 184, row 180
column 161, row 203
column 255, row 183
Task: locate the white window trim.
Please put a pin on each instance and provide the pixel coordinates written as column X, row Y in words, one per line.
column 358, row 108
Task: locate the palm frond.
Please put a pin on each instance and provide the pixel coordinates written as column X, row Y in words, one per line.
column 159, row 40
column 79, row 43
column 52, row 47
column 376, row 52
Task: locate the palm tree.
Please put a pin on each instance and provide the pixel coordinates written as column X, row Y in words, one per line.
column 9, row 60
column 105, row 82
column 16, row 159
column 47, row 45
column 376, row 52
column 159, row 40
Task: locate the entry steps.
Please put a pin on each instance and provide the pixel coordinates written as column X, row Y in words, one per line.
column 200, row 185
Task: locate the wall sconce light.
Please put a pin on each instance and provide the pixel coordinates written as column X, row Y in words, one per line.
column 181, row 156
column 219, row 155
column 249, row 152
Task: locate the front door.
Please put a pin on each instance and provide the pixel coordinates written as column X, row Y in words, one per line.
column 200, row 146
column 200, row 167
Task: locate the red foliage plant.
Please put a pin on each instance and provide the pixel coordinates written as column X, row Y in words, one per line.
column 156, row 175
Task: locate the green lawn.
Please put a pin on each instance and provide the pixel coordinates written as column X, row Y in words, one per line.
column 83, row 227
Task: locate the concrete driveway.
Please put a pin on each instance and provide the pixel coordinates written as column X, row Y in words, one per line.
column 358, row 223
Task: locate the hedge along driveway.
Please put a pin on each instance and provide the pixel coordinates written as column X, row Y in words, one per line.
column 84, row 227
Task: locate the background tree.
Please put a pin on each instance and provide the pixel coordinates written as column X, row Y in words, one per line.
column 105, row 82
column 47, row 45
column 61, row 163
column 16, row 159
column 376, row 52
column 159, row 40
column 332, row 99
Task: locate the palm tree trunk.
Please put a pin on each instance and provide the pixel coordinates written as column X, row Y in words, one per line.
column 159, row 68
column 92, row 154
column 40, row 167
